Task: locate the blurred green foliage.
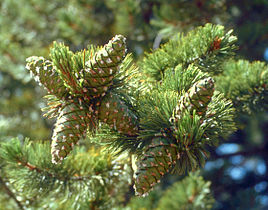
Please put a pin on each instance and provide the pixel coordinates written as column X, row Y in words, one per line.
column 190, row 193
column 90, row 177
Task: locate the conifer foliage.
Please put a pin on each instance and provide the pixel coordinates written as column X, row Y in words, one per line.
column 182, row 114
column 192, row 192
column 167, row 123
column 167, row 113
column 164, row 154
column 82, row 84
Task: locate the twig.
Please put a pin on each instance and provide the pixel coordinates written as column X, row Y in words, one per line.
column 10, row 193
column 39, row 170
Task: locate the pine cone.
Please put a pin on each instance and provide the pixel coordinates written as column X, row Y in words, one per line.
column 71, row 125
column 46, row 75
column 159, row 157
column 118, row 115
column 197, row 98
column 104, row 65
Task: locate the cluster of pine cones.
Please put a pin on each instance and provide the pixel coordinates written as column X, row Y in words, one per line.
column 80, row 87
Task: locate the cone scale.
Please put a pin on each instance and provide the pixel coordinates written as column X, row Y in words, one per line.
column 71, row 125
column 159, row 157
column 104, row 65
column 116, row 113
column 197, row 98
column 45, row 74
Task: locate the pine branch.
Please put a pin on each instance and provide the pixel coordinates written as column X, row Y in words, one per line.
column 245, row 84
column 155, row 110
column 190, row 193
column 181, row 79
column 169, row 126
column 205, row 47
column 50, row 174
column 10, row 193
column 55, row 175
column 86, row 177
column 186, row 125
column 92, row 79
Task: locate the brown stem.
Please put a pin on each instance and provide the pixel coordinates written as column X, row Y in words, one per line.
column 10, row 193
column 32, row 167
column 39, row 170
